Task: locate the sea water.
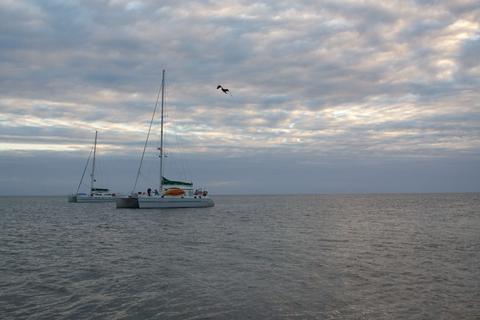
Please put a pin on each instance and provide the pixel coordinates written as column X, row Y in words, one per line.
column 395, row 256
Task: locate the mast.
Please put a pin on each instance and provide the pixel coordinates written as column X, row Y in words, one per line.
column 161, row 132
column 92, row 175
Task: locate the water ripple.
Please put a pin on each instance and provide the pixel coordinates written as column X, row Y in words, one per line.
column 249, row 257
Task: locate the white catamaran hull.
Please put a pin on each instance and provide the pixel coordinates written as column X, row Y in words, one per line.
column 164, row 203
column 90, row 199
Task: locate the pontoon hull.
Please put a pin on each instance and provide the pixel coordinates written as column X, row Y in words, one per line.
column 164, row 203
column 89, row 199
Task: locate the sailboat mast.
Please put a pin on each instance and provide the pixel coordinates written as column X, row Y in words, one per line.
column 92, row 175
column 161, row 132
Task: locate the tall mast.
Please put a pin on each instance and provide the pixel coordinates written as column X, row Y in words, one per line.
column 92, row 175
column 161, row 132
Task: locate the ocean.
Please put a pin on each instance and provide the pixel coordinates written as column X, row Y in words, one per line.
column 383, row 256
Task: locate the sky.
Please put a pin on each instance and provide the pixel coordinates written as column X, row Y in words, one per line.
column 327, row 96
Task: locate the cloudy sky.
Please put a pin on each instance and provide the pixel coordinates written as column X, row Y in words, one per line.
column 327, row 96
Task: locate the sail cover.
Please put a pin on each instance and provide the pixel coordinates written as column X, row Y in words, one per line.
column 168, row 182
column 100, row 189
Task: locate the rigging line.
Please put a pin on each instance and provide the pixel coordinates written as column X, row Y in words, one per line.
column 84, row 170
column 146, row 140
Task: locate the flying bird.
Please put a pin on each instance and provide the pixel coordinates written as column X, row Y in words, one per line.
column 225, row 90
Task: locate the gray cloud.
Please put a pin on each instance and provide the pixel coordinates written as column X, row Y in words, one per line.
column 346, row 79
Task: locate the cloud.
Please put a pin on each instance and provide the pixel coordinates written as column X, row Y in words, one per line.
column 343, row 79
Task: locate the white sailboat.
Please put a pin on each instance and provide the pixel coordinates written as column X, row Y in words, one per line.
column 171, row 193
column 96, row 194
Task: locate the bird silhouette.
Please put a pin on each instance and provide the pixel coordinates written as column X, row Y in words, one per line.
column 225, row 90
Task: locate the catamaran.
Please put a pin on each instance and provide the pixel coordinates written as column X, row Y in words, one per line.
column 96, row 194
column 171, row 193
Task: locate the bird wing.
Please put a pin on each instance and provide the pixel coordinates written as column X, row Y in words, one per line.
column 218, row 87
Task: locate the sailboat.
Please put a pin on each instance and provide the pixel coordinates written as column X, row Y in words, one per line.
column 170, row 193
column 96, row 194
